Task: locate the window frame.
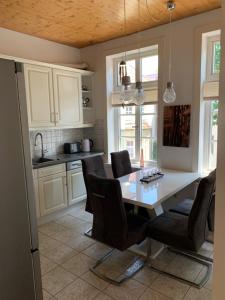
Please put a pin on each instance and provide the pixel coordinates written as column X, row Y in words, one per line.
column 136, row 56
column 207, row 134
column 138, row 128
column 210, row 76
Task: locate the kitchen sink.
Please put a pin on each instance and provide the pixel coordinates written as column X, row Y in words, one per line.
column 42, row 160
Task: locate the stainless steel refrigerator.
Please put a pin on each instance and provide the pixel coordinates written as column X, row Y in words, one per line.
column 20, row 277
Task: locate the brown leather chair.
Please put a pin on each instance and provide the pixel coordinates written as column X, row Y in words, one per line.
column 111, row 224
column 184, row 208
column 93, row 165
column 187, row 233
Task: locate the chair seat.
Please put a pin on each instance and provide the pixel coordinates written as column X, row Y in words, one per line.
column 184, row 207
column 171, row 229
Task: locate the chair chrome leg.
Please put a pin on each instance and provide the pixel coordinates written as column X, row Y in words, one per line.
column 130, row 271
column 88, row 232
column 191, row 254
column 194, row 284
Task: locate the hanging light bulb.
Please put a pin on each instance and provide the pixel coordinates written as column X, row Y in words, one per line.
column 139, row 96
column 169, row 95
column 127, row 92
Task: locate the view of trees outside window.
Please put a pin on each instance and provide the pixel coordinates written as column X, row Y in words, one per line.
column 142, row 133
column 213, row 134
column 216, row 57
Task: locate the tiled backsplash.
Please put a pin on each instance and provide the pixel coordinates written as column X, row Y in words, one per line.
column 53, row 140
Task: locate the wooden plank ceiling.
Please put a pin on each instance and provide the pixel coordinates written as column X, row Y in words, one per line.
column 81, row 23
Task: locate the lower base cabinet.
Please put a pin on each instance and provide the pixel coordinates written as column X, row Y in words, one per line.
column 52, row 193
column 76, row 186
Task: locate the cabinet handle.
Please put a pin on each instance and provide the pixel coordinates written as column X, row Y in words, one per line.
column 64, row 180
column 57, row 117
column 52, row 117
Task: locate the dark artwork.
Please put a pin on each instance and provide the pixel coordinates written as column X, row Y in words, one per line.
column 176, row 129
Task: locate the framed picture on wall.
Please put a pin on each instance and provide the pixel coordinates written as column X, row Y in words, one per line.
column 176, row 125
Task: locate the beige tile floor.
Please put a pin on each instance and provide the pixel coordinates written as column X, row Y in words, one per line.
column 66, row 256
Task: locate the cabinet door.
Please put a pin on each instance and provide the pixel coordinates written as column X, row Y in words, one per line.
column 39, row 94
column 76, row 187
column 68, row 100
column 52, row 193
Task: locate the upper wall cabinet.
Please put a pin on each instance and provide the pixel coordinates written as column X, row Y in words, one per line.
column 68, row 100
column 39, row 94
column 53, row 97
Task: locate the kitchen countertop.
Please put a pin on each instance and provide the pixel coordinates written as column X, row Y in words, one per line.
column 64, row 158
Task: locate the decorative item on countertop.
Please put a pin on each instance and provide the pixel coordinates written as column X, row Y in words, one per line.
column 176, row 127
column 153, row 175
column 142, row 162
column 84, row 88
column 139, row 96
column 169, row 95
column 86, row 100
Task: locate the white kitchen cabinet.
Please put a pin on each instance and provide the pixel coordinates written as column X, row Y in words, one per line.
column 52, row 193
column 53, row 97
column 39, row 94
column 68, row 99
column 76, row 186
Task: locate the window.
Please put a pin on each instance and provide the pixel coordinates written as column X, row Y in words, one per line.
column 211, row 105
column 138, row 129
column 211, row 129
column 144, row 66
column 213, row 58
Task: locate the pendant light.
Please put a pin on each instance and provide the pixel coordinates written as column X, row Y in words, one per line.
column 169, row 95
column 139, row 96
column 127, row 92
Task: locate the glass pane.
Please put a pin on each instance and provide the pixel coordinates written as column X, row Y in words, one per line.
column 129, row 145
column 127, row 110
column 216, row 57
column 213, row 135
column 149, row 147
column 148, row 109
column 131, row 70
column 127, row 126
column 149, row 68
column 148, row 126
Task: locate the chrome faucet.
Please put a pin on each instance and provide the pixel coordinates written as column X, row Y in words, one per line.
column 42, row 146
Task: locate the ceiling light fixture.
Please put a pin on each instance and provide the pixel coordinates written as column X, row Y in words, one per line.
column 169, row 95
column 139, row 96
column 127, row 92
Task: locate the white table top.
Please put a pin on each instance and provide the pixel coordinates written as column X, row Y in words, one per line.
column 151, row 195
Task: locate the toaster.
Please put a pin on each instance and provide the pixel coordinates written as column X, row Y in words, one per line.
column 70, row 148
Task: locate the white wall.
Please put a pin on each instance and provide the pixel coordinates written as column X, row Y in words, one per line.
column 26, row 46
column 219, row 251
column 184, row 34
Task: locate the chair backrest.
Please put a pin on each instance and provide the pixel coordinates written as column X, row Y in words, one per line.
column 92, row 165
column 199, row 213
column 121, row 164
column 110, row 221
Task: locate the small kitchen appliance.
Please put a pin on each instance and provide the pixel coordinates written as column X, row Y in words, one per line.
column 87, row 145
column 70, row 148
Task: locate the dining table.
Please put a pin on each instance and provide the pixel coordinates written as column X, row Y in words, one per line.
column 152, row 195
